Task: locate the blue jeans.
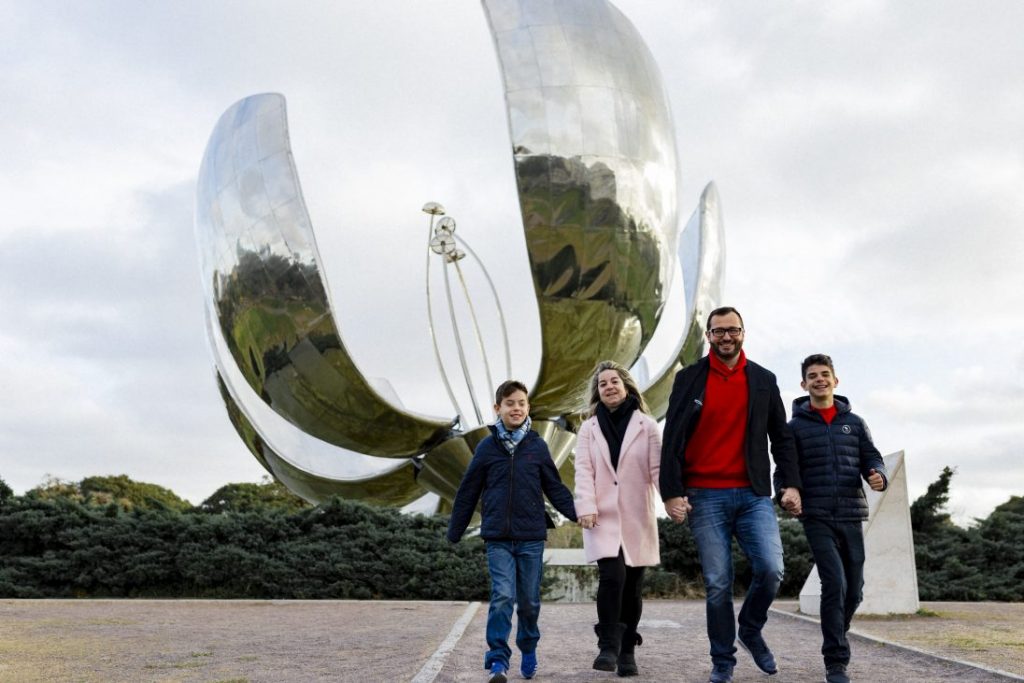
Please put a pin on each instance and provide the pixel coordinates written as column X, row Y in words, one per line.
column 717, row 516
column 838, row 549
column 516, row 568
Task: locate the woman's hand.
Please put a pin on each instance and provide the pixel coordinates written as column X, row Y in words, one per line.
column 678, row 508
column 588, row 521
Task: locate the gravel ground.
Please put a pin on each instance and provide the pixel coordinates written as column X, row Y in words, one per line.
column 366, row 642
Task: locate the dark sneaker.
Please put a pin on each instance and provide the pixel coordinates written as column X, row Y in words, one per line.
column 528, row 667
column 759, row 652
column 721, row 673
column 498, row 671
column 836, row 673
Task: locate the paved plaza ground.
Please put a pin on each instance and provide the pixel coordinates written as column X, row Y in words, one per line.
column 366, row 642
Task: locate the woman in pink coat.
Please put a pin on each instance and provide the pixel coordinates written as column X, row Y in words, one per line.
column 618, row 455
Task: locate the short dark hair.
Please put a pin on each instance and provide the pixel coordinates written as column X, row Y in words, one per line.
column 815, row 359
column 507, row 388
column 724, row 310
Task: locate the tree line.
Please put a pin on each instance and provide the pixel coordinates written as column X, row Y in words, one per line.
column 114, row 537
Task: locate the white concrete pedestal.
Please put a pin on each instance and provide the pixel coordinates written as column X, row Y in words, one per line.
column 890, row 573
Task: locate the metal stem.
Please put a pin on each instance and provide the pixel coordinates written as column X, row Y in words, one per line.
column 476, row 328
column 497, row 303
column 458, row 345
column 433, row 335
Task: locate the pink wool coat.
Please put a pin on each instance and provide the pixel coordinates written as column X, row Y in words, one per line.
column 623, row 499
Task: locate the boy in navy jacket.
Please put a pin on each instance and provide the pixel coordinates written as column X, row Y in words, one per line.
column 510, row 473
column 835, row 452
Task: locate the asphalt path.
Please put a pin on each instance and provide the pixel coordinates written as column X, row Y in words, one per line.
column 366, row 641
column 676, row 649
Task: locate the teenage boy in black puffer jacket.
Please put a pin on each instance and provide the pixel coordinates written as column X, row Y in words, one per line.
column 510, row 474
column 835, row 451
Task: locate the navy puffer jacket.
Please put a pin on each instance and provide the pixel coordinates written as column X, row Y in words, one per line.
column 834, row 459
column 511, row 490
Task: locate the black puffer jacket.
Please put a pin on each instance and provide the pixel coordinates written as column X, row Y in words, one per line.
column 512, row 490
column 834, row 458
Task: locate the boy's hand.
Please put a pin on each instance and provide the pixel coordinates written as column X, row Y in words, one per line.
column 677, row 508
column 588, row 521
column 876, row 481
column 791, row 501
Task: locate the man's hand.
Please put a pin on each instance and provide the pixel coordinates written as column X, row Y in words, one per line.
column 588, row 521
column 791, row 501
column 876, row 481
column 677, row 508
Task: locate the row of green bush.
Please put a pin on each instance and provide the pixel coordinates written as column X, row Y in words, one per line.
column 111, row 537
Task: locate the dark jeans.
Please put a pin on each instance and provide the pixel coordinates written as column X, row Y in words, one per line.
column 838, row 549
column 618, row 591
column 717, row 516
column 516, row 568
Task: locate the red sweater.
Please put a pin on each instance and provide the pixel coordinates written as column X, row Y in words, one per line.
column 715, row 456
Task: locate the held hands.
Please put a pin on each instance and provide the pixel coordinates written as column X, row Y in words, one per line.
column 791, row 501
column 677, row 508
column 876, row 481
column 588, row 521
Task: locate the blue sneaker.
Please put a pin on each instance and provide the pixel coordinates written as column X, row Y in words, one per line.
column 528, row 667
column 721, row 673
column 498, row 671
column 759, row 652
column 836, row 673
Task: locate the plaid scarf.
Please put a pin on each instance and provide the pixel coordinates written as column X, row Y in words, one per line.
column 511, row 439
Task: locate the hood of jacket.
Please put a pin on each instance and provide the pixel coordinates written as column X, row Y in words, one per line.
column 802, row 406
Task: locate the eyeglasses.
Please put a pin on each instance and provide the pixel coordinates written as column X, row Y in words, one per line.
column 719, row 332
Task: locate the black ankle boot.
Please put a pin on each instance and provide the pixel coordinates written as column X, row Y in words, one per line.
column 609, row 638
column 627, row 661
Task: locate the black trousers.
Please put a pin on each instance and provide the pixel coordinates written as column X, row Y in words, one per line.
column 618, row 591
column 838, row 549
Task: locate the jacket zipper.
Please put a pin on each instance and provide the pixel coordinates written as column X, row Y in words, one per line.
column 511, row 482
column 835, row 469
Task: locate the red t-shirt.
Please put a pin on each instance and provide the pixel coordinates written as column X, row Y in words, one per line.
column 827, row 414
column 715, row 455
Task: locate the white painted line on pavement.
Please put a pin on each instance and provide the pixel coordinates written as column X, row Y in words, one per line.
column 659, row 623
column 436, row 662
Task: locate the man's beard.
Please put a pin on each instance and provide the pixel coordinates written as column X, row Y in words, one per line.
column 736, row 348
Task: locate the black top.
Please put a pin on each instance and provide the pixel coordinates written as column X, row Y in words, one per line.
column 613, row 425
column 511, row 490
column 766, row 419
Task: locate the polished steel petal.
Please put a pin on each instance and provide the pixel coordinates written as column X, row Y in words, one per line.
column 266, row 291
column 310, row 467
column 702, row 259
column 442, row 468
column 595, row 164
column 559, row 438
column 395, row 487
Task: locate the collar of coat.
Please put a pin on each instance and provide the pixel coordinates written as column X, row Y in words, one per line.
column 636, row 427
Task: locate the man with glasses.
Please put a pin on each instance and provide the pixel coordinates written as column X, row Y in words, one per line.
column 715, row 473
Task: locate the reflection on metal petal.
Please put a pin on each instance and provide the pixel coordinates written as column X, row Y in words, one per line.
column 394, row 488
column 702, row 257
column 266, row 290
column 595, row 164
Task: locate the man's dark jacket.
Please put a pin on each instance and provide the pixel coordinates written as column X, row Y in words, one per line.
column 834, row 459
column 511, row 489
column 766, row 419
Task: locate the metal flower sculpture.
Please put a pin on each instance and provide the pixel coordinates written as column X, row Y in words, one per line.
column 596, row 169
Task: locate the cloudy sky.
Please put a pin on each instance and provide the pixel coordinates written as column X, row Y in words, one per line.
column 869, row 156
